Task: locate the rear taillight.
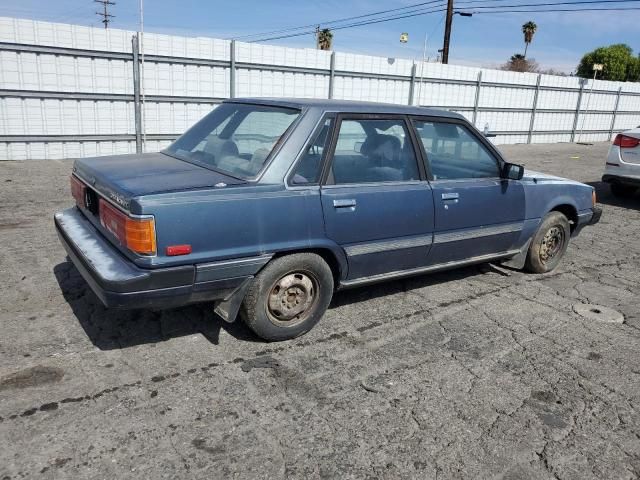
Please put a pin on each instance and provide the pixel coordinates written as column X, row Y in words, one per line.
column 77, row 190
column 137, row 234
column 623, row 141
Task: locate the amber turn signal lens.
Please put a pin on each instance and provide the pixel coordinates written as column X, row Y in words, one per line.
column 593, row 197
column 137, row 234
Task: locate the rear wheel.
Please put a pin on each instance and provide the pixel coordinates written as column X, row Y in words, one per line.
column 288, row 297
column 622, row 190
column 549, row 243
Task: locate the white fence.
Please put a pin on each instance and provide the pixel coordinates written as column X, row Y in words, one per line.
column 70, row 91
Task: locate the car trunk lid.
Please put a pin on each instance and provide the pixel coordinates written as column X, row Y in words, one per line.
column 122, row 177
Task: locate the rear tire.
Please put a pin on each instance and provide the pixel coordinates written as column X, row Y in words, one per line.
column 288, row 297
column 623, row 191
column 549, row 243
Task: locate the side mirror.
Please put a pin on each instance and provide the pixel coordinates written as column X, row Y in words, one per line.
column 357, row 146
column 512, row 171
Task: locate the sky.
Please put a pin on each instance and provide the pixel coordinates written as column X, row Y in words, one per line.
column 486, row 40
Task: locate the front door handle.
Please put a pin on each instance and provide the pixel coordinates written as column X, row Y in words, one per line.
column 345, row 203
column 450, row 196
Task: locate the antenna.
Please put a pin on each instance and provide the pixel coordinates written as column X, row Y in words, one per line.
column 106, row 16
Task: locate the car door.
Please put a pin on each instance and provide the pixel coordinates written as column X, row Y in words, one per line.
column 376, row 202
column 477, row 213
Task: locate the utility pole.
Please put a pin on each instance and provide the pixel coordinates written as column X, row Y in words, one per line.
column 447, row 32
column 106, row 16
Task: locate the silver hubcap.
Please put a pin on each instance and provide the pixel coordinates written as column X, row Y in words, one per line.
column 291, row 298
column 551, row 243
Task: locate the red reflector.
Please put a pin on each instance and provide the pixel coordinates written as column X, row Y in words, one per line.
column 174, row 250
column 623, row 141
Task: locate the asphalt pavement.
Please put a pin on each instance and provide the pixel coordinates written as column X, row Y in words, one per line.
column 474, row 373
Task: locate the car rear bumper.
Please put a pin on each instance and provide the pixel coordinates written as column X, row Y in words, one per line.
column 622, row 179
column 119, row 283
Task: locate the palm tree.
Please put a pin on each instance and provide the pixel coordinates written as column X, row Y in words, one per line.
column 324, row 39
column 529, row 29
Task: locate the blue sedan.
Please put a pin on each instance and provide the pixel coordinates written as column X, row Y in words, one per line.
column 265, row 207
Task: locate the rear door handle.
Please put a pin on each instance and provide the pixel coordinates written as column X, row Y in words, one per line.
column 450, row 196
column 345, row 203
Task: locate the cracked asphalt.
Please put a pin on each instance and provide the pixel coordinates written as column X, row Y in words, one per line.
column 474, row 373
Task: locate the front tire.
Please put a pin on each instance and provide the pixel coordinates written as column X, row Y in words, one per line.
column 288, row 297
column 549, row 243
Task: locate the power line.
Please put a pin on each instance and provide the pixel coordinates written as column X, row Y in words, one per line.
column 339, row 20
column 563, row 10
column 429, row 11
column 575, row 2
column 106, row 16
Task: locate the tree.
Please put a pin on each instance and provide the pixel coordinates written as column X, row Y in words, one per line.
column 529, row 30
column 518, row 63
column 618, row 62
column 324, row 39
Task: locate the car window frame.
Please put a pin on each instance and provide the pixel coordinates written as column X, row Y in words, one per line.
column 291, row 172
column 340, row 117
column 473, row 132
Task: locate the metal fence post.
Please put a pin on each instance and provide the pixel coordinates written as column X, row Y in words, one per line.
column 137, row 113
column 615, row 113
column 412, row 85
column 332, row 73
column 232, row 70
column 534, row 108
column 577, row 115
column 476, row 102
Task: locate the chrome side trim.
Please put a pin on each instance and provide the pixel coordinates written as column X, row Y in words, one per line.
column 479, row 232
column 432, row 268
column 388, row 245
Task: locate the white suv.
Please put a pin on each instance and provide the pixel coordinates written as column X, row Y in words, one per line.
column 622, row 169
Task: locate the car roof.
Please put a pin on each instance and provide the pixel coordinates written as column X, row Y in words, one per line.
column 346, row 106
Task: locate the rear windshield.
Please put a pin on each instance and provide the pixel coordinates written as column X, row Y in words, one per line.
column 236, row 139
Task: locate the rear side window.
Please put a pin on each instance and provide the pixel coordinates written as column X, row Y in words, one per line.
column 309, row 167
column 454, row 153
column 373, row 151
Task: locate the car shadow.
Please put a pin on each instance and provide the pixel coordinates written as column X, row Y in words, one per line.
column 393, row 287
column 604, row 195
column 110, row 329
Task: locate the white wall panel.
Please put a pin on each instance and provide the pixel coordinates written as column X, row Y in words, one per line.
column 553, row 121
column 74, row 76
column 364, row 63
column 627, row 121
column 555, row 99
column 265, row 83
column 594, row 122
column 503, row 97
column 371, row 90
column 442, row 94
column 504, row 121
column 276, row 55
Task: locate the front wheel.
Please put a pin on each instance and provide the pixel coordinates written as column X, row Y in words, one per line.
column 549, row 243
column 288, row 297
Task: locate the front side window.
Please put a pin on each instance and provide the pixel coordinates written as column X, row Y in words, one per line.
column 373, row 151
column 454, row 153
column 236, row 139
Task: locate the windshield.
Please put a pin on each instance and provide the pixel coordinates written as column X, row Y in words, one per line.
column 235, row 138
